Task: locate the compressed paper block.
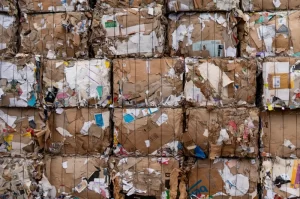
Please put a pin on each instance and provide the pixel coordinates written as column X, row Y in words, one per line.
column 148, row 82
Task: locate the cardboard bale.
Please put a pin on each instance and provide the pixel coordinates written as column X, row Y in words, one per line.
column 24, row 178
column 271, row 34
column 220, row 82
column 224, row 178
column 202, row 34
column 202, row 5
column 77, row 83
column 79, row 131
column 56, row 36
column 280, row 178
column 133, row 32
column 9, row 6
column 23, row 131
column 128, row 3
column 229, row 132
column 39, row 6
column 260, row 5
column 20, row 79
column 279, row 134
column 81, row 177
column 151, row 131
column 281, row 83
column 143, row 176
column 148, row 82
column 8, row 36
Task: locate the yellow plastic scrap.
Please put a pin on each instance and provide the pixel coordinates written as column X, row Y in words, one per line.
column 8, row 139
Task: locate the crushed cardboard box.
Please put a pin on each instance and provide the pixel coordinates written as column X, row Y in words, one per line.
column 271, row 34
column 133, row 32
column 148, row 82
column 79, row 131
column 279, row 134
column 143, row 176
column 203, row 34
column 57, row 35
column 9, row 6
column 220, row 82
column 224, row 178
column 147, row 131
column 20, row 79
column 77, row 83
column 281, row 83
column 81, row 177
column 24, row 178
column 128, row 3
column 8, row 36
column 38, row 6
column 229, row 132
column 23, row 131
column 280, row 178
column 202, row 5
column 260, row 5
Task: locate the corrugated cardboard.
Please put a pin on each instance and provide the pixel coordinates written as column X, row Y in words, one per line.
column 224, row 178
column 128, row 32
column 56, row 36
column 33, row 6
column 152, row 131
column 144, row 176
column 77, row 83
column 271, row 34
column 280, row 178
column 23, row 131
column 128, row 3
column 148, row 82
column 71, row 132
column 220, row 82
column 8, row 36
column 203, row 35
column 24, row 178
column 279, row 134
column 231, row 132
column 202, row 5
column 281, row 82
column 9, row 6
column 20, row 79
column 66, row 173
column 260, row 5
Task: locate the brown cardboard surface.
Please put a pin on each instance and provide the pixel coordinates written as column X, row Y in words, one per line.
column 118, row 32
column 127, row 3
column 271, row 34
column 8, row 35
column 220, row 82
column 20, row 80
column 94, row 141
column 202, row 5
column 260, row 5
column 204, row 129
column 205, row 178
column 133, row 135
column 23, row 130
column 279, row 127
column 146, row 174
column 9, row 6
column 151, row 82
column 65, row 179
column 74, row 83
column 32, row 6
column 67, row 39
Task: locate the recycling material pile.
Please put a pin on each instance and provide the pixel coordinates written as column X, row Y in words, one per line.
column 149, row 99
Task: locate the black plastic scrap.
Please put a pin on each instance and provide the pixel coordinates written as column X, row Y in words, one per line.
column 280, row 181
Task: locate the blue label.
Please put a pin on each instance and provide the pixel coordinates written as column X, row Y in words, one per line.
column 99, row 119
column 197, row 191
column 128, row 118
